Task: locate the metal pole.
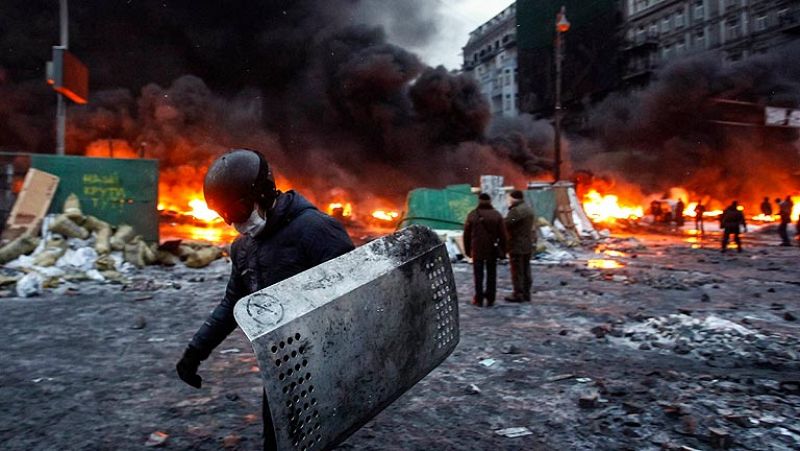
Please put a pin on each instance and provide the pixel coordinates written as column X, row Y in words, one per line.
column 61, row 109
column 557, row 118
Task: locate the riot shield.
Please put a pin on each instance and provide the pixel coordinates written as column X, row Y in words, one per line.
column 338, row 343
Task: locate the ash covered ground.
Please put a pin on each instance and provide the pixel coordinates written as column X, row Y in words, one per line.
column 682, row 348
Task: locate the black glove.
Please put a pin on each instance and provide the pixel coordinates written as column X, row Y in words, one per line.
column 187, row 367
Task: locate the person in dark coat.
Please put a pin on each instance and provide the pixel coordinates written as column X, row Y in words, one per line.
column 679, row 207
column 519, row 225
column 484, row 242
column 766, row 207
column 281, row 235
column 698, row 217
column 731, row 222
column 785, row 212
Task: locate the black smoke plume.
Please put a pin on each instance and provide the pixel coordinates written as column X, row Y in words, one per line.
column 314, row 84
column 700, row 126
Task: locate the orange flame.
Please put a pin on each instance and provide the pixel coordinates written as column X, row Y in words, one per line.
column 343, row 209
column 607, row 208
column 385, row 215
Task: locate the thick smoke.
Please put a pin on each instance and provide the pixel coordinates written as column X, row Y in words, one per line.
column 315, row 85
column 671, row 134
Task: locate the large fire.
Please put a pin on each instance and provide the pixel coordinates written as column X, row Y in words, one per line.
column 608, row 208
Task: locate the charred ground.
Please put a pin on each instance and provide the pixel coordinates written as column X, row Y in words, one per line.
column 678, row 348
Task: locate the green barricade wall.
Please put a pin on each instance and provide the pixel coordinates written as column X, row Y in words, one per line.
column 444, row 209
column 543, row 202
column 118, row 191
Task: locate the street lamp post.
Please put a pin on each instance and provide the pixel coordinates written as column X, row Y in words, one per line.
column 562, row 26
column 61, row 107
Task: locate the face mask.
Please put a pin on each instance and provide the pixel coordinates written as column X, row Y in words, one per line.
column 253, row 226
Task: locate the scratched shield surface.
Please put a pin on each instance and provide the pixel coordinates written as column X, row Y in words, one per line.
column 338, row 343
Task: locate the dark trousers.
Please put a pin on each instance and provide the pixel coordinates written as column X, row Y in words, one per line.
column 269, row 429
column 726, row 238
column 783, row 231
column 521, row 275
column 478, row 267
column 698, row 224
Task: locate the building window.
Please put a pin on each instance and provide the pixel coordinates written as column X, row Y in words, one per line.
column 783, row 16
column 666, row 52
column 665, row 25
column 679, row 20
column 680, row 48
column 733, row 31
column 761, row 22
column 700, row 40
column 699, row 12
column 652, row 31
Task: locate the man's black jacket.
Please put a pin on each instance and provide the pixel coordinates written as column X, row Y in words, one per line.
column 297, row 237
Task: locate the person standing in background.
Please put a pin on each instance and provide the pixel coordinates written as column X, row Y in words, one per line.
column 484, row 242
column 519, row 224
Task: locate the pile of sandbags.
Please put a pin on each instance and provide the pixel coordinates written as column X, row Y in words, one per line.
column 82, row 247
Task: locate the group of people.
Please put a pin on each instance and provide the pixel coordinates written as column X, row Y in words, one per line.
column 732, row 221
column 784, row 208
column 489, row 237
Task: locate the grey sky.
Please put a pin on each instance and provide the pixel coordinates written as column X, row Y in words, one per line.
column 456, row 19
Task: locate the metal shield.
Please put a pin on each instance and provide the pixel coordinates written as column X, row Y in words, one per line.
column 338, row 343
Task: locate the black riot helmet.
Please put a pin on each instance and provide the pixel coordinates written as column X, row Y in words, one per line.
column 235, row 181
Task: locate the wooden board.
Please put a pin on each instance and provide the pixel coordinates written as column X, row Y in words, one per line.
column 32, row 204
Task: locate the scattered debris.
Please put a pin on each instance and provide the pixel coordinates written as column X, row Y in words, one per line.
column 589, row 400
column 514, row 432
column 157, row 438
column 487, row 362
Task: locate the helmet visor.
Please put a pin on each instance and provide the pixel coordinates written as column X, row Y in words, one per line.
column 233, row 212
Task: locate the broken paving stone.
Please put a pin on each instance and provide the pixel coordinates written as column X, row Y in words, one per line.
column 720, row 438
column 473, row 389
column 488, row 362
column 687, row 427
column 632, row 407
column 511, row 349
column 139, row 323
column 632, row 420
column 514, row 432
column 560, row 377
column 645, row 347
column 588, row 401
column 789, row 316
column 601, row 330
column 231, row 441
column 790, row 386
column 705, row 298
column 157, row 438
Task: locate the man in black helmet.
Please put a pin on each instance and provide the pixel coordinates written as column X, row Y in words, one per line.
column 281, row 234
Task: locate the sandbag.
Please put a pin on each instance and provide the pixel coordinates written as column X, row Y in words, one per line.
column 203, row 257
column 67, row 227
column 93, row 224
column 138, row 253
column 23, row 245
column 102, row 242
column 72, row 208
column 121, row 237
column 105, row 263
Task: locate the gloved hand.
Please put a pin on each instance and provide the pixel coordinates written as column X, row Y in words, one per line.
column 187, row 367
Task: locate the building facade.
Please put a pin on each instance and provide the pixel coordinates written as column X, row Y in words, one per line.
column 490, row 57
column 659, row 31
